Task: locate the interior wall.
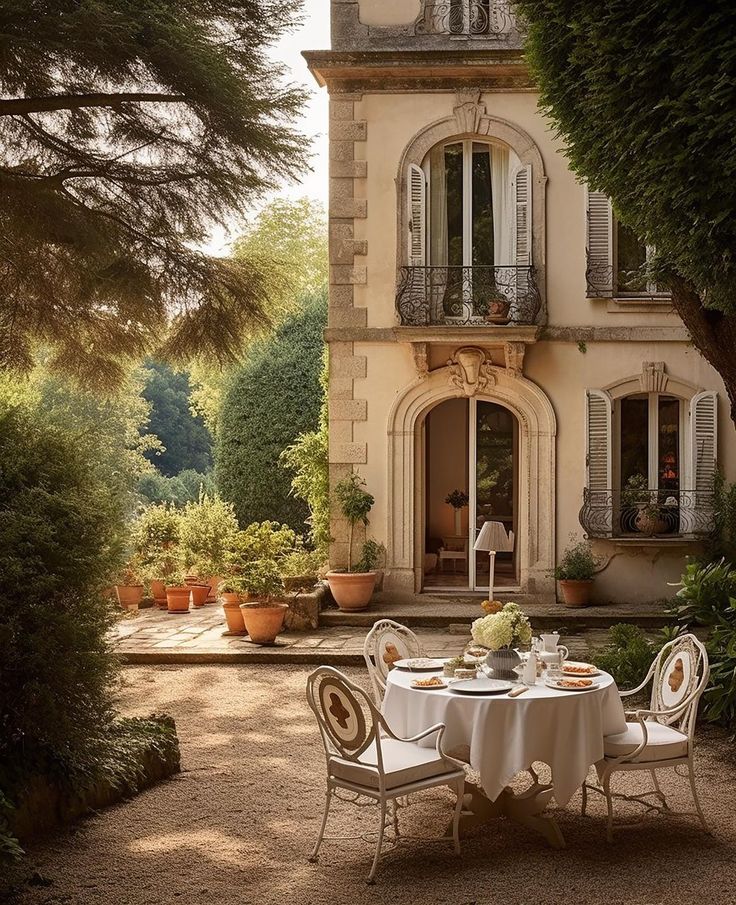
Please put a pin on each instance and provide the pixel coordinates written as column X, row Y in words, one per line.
column 447, row 464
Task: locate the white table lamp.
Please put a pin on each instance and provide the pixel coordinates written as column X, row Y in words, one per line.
column 493, row 539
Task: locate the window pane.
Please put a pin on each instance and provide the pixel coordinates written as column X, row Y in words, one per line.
column 454, row 183
column 668, row 468
column 482, row 205
column 495, row 428
column 634, row 438
column 631, row 258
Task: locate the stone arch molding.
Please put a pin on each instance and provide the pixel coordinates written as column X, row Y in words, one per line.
column 470, row 119
column 536, row 518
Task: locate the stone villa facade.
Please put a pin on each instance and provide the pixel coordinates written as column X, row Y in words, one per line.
column 490, row 329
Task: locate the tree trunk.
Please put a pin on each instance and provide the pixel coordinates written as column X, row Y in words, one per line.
column 713, row 334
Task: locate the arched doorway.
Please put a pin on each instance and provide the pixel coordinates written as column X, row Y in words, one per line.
column 534, row 514
column 471, row 472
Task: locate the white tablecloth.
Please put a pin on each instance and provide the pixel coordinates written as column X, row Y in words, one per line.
column 563, row 729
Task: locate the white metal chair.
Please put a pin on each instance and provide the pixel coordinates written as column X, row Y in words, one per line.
column 367, row 760
column 385, row 643
column 663, row 735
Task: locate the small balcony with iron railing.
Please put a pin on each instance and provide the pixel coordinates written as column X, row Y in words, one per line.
column 648, row 514
column 474, row 296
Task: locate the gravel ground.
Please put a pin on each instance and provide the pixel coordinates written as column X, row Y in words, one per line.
column 237, row 825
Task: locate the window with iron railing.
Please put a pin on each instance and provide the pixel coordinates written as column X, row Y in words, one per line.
column 470, row 18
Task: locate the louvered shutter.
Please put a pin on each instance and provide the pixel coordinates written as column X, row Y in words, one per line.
column 417, row 215
column 598, row 445
column 521, row 192
column 599, row 245
column 703, row 456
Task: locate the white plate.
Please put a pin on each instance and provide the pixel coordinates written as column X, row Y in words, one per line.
column 481, row 686
column 415, row 684
column 588, row 675
column 552, row 683
column 420, row 664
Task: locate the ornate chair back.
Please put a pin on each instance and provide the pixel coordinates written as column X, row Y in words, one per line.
column 385, row 644
column 681, row 668
column 348, row 720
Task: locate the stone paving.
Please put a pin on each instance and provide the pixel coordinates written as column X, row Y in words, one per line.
column 200, row 636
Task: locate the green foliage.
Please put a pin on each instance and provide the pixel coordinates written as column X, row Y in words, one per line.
column 308, row 459
column 578, row 563
column 627, row 655
column 722, row 542
column 261, row 578
column 187, row 444
column 371, row 555
column 270, row 401
column 61, row 540
column 301, row 563
column 458, row 499
column 642, row 94
column 208, row 531
column 154, row 540
column 355, row 505
column 185, row 487
column 263, row 540
column 127, row 130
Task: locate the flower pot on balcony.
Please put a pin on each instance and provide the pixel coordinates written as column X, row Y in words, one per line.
column 352, row 590
column 177, row 599
column 263, row 620
column 649, row 522
column 576, row 593
column 498, row 311
column 129, row 596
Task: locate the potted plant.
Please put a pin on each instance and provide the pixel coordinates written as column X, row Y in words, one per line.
column 458, row 499
column 178, row 594
column 300, row 569
column 499, row 632
column 264, row 613
column 155, row 539
column 129, row 588
column 353, row 588
column 575, row 573
column 231, row 596
column 208, row 532
column 636, row 495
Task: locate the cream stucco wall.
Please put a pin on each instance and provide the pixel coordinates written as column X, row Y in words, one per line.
column 559, row 366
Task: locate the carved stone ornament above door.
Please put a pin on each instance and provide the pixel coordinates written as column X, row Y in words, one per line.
column 653, row 378
column 471, row 370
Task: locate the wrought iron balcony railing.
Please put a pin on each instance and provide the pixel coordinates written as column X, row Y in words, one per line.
column 647, row 513
column 603, row 281
column 478, row 295
column 487, row 18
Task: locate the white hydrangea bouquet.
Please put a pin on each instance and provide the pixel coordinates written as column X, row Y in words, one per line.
column 504, row 629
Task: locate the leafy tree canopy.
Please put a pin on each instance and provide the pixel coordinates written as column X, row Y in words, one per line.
column 187, row 444
column 643, row 94
column 270, row 401
column 126, row 130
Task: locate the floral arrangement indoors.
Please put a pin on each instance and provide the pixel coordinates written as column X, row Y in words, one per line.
column 503, row 629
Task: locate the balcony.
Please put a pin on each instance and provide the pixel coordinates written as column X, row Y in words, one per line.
column 602, row 281
column 467, row 18
column 478, row 296
column 648, row 515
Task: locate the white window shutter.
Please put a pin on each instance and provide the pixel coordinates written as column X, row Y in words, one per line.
column 598, row 461
column 521, row 192
column 416, row 191
column 598, row 245
column 704, row 440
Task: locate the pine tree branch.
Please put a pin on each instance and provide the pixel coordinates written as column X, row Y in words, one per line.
column 17, row 106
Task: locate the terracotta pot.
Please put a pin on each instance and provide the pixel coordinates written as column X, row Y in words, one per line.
column 576, row 593
column 263, row 621
column 648, row 524
column 213, row 583
column 498, row 311
column 177, row 599
column 129, row 595
column 200, row 592
column 352, row 590
column 158, row 592
column 233, row 614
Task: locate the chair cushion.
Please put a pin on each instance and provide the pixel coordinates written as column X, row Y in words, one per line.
column 403, row 763
column 663, row 742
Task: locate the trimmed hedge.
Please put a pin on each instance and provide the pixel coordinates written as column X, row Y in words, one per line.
column 272, row 399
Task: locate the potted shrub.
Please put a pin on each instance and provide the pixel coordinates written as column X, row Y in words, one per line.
column 300, row 569
column 264, row 613
column 178, row 595
column 353, row 588
column 155, row 540
column 208, row 531
column 231, row 596
column 129, row 589
column 575, row 573
column 637, row 496
column 458, row 499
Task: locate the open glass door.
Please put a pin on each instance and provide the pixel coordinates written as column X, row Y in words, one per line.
column 494, row 453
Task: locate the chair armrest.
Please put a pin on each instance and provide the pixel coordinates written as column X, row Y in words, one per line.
column 626, row 694
column 420, row 735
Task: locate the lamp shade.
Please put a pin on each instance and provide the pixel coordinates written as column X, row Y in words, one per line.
column 493, row 537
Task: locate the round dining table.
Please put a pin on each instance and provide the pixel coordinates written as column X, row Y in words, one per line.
column 502, row 736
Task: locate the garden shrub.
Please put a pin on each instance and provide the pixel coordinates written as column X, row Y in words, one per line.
column 270, row 401
column 627, row 655
column 154, row 540
column 61, row 538
column 182, row 488
column 208, row 530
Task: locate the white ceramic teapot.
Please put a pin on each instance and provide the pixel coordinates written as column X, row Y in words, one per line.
column 549, row 651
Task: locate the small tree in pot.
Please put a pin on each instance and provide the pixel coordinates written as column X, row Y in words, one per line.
column 353, row 588
column 575, row 573
column 264, row 613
